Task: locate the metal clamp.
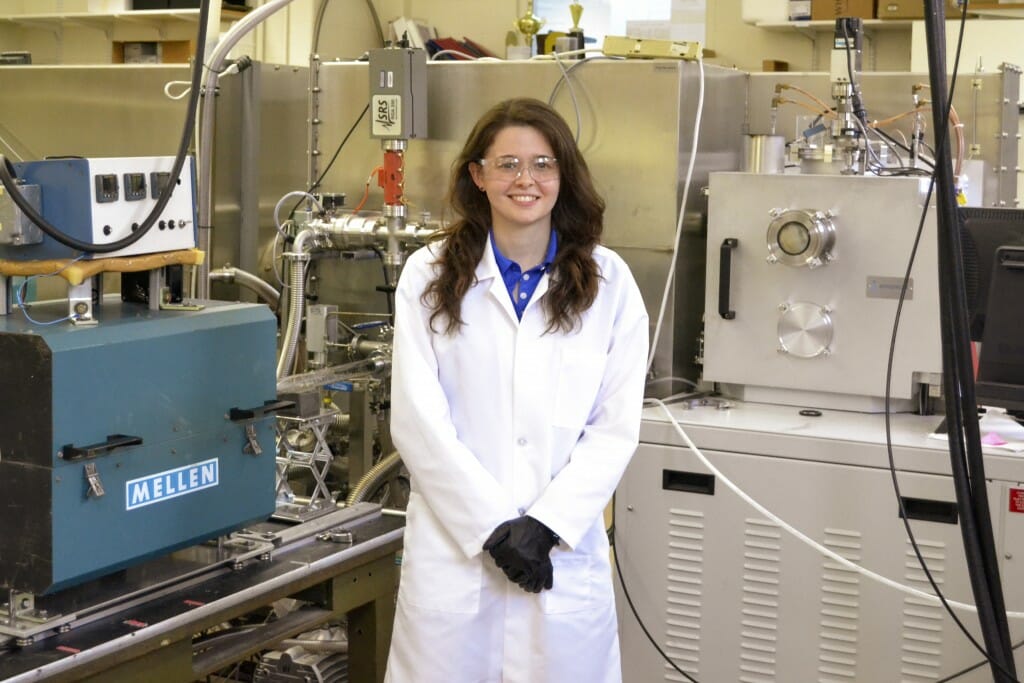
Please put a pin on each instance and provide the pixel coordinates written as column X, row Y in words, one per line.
column 93, row 477
column 252, row 445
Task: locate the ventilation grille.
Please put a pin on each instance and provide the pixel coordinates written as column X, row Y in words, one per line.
column 762, row 545
column 685, row 575
column 840, row 609
column 921, row 649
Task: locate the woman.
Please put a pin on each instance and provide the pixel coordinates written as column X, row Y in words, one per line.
column 517, row 386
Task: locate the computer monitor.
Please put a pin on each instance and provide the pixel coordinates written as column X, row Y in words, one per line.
column 983, row 230
column 993, row 247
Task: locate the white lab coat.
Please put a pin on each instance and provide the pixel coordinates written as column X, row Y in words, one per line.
column 496, row 421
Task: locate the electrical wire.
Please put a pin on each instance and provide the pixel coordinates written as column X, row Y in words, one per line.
column 632, row 607
column 19, row 295
column 971, row 668
column 572, row 94
column 799, row 535
column 464, row 55
column 682, row 214
column 9, row 182
column 806, row 93
column 577, row 64
column 334, row 157
column 827, row 113
column 366, row 190
column 782, row 524
column 389, row 291
column 282, row 200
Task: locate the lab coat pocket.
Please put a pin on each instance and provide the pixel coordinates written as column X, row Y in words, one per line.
column 572, row 585
column 579, row 379
column 436, row 574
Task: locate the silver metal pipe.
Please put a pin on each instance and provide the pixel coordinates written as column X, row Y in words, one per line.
column 317, row 646
column 334, row 373
column 207, row 116
column 261, row 287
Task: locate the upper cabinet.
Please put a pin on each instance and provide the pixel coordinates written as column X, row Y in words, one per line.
column 71, row 34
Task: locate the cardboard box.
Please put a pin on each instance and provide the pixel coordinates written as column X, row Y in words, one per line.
column 912, row 9
column 823, row 10
column 769, row 11
column 799, row 10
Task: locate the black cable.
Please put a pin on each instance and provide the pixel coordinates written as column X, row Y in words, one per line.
column 632, row 607
column 855, row 98
column 389, row 289
column 888, row 387
column 971, row 668
column 888, row 433
column 334, row 158
column 966, row 459
column 942, row 138
column 8, row 181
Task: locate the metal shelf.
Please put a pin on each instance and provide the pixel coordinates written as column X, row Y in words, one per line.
column 160, row 20
column 827, row 25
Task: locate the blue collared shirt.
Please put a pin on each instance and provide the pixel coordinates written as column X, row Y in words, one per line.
column 521, row 285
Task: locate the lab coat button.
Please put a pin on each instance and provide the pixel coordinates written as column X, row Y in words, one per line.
column 521, row 441
column 522, row 511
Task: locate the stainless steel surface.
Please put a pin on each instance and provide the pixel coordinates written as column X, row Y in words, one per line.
column 207, row 117
column 1008, row 142
column 15, row 228
column 980, row 99
column 636, row 123
column 764, row 153
column 800, row 237
column 277, row 93
column 841, row 358
column 805, row 330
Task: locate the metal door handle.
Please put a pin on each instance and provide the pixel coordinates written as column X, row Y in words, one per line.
column 725, row 276
column 241, row 414
column 72, row 452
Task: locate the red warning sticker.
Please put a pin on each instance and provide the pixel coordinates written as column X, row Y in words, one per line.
column 1016, row 500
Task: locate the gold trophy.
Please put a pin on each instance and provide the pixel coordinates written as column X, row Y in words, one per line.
column 528, row 24
column 576, row 10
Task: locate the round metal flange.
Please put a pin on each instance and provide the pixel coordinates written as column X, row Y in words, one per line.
column 805, row 330
column 801, row 237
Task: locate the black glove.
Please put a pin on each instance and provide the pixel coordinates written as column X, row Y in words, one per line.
column 521, row 548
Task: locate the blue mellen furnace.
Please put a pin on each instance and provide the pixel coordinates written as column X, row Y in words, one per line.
column 128, row 439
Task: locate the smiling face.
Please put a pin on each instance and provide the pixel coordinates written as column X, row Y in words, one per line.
column 521, row 204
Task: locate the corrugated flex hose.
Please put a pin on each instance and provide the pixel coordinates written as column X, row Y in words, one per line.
column 296, row 305
column 373, row 478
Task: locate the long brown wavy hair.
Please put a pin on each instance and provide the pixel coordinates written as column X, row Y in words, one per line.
column 577, row 218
